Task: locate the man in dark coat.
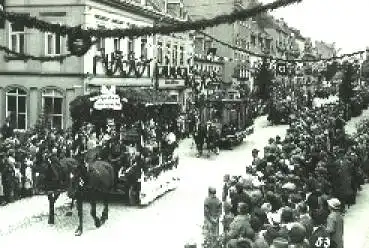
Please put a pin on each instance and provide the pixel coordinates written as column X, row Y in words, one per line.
column 240, row 196
column 212, row 213
column 7, row 130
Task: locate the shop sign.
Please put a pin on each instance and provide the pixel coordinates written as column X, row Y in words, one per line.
column 107, row 100
column 171, row 83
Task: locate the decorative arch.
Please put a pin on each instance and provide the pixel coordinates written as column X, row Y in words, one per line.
column 16, row 86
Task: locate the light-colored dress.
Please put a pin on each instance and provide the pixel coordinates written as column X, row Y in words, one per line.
column 28, row 184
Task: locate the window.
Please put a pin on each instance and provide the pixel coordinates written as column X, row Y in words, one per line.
column 116, row 44
column 199, row 45
column 17, row 38
column 100, row 45
column 253, row 40
column 261, row 42
column 160, row 52
column 207, row 46
column 16, row 107
column 52, row 44
column 52, row 102
column 131, row 48
column 174, row 55
column 181, row 55
column 144, row 48
column 168, row 54
column 101, row 41
column 268, row 43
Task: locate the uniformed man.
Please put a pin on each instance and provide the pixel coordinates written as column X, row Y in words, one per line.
column 212, row 213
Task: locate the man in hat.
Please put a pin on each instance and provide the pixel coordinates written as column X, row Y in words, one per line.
column 335, row 223
column 240, row 224
column 320, row 237
column 255, row 158
column 212, row 213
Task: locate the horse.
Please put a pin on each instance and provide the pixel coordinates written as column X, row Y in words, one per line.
column 199, row 136
column 90, row 182
column 212, row 140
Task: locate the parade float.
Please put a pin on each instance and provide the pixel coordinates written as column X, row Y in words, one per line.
column 144, row 120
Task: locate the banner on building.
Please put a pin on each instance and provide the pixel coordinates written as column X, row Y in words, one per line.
column 108, row 99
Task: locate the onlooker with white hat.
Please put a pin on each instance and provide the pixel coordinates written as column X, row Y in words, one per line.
column 335, row 223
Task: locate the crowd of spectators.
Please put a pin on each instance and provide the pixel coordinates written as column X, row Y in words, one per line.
column 297, row 194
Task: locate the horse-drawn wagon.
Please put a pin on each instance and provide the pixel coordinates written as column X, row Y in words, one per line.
column 141, row 144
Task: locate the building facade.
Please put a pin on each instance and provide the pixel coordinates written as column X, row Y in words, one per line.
column 29, row 87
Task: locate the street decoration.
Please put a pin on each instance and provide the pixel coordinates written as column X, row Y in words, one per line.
column 63, row 30
column 80, row 48
column 108, row 99
column 78, row 44
column 117, row 64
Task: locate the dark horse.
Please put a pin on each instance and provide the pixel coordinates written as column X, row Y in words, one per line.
column 199, row 136
column 90, row 182
column 212, row 140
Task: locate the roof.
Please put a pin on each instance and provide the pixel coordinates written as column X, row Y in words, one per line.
column 297, row 34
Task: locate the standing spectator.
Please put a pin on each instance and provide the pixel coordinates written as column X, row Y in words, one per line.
column 6, row 130
column 2, row 168
column 8, row 179
column 28, row 182
column 226, row 186
column 228, row 216
column 212, row 213
column 335, row 223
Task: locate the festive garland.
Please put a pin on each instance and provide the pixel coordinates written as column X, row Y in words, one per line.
column 259, row 55
column 26, row 57
column 63, row 30
column 79, row 44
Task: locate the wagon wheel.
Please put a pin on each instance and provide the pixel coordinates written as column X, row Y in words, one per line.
column 133, row 196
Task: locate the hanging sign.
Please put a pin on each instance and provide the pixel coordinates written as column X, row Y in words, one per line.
column 108, row 99
column 281, row 69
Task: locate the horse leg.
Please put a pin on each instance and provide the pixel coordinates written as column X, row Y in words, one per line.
column 51, row 209
column 105, row 213
column 79, row 229
column 93, row 214
column 69, row 213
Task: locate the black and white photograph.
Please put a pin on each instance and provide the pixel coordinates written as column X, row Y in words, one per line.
column 184, row 123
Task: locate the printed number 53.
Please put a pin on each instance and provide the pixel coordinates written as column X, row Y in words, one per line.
column 323, row 242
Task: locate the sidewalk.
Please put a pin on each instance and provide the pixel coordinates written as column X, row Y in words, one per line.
column 26, row 210
column 356, row 220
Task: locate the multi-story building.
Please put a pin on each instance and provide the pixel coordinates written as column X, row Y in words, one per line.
column 28, row 87
column 325, row 50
